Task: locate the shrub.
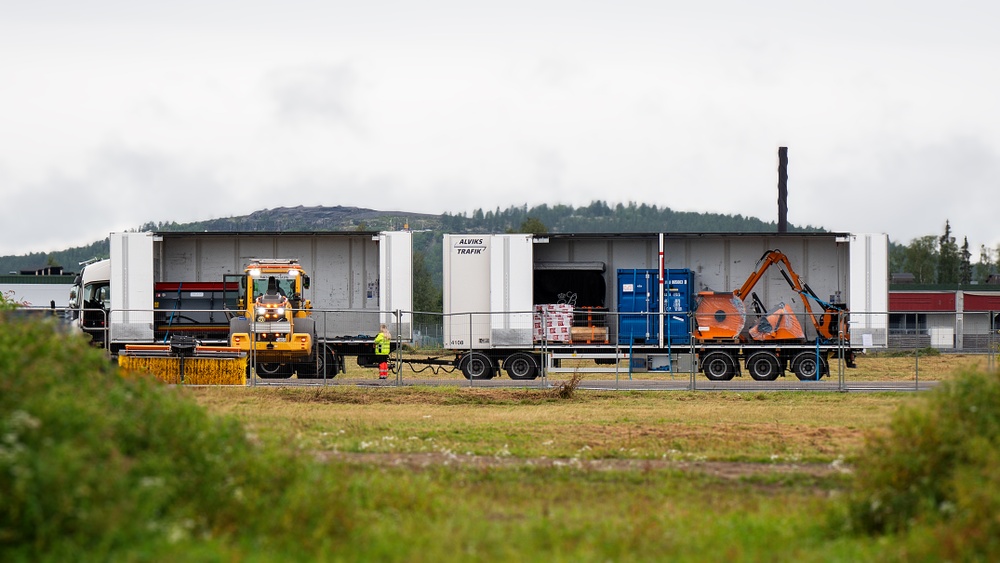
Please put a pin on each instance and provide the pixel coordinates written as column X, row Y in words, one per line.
column 567, row 389
column 96, row 466
column 935, row 467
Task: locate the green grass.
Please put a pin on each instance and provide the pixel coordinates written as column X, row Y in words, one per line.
column 760, row 427
column 95, row 467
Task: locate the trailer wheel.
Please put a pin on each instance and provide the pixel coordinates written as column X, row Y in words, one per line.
column 763, row 366
column 718, row 366
column 521, row 366
column 477, row 366
column 806, row 368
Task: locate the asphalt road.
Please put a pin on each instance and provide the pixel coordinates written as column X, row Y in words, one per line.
column 622, row 384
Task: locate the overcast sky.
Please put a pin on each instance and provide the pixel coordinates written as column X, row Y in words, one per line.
column 116, row 112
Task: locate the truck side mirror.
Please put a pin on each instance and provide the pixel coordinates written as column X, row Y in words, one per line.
column 305, row 282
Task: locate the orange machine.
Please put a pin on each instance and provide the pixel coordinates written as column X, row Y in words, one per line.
column 780, row 324
column 722, row 315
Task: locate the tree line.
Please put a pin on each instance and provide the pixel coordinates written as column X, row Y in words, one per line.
column 600, row 217
column 938, row 259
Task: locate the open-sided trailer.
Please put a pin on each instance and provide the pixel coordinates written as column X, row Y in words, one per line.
column 525, row 303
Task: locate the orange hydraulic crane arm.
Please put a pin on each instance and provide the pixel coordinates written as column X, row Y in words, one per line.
column 825, row 326
column 770, row 258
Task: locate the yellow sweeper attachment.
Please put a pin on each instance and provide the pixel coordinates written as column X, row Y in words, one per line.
column 186, row 363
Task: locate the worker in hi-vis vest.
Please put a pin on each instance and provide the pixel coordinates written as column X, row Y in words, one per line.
column 382, row 341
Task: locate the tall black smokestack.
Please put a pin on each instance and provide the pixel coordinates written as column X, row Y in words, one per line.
column 782, row 189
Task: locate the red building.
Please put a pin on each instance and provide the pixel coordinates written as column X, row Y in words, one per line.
column 962, row 318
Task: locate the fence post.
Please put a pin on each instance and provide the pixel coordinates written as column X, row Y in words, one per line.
column 546, row 358
column 692, row 386
column 841, row 355
column 399, row 348
column 471, row 328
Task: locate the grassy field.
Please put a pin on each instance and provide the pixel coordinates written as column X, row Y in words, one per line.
column 683, row 426
column 101, row 465
column 526, row 474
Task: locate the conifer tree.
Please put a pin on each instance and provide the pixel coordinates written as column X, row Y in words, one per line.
column 948, row 257
column 965, row 265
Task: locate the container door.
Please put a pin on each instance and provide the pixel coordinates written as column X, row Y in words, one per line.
column 511, row 290
column 131, row 287
column 637, row 293
column 396, row 282
column 677, row 303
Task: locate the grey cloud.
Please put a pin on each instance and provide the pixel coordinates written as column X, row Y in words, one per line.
column 121, row 188
column 910, row 191
column 315, row 93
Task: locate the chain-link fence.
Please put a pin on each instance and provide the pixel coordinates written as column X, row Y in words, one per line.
column 584, row 347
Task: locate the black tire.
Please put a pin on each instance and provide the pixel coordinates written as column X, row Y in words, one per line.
column 764, row 366
column 521, row 365
column 273, row 371
column 306, row 370
column 718, row 366
column 335, row 364
column 477, row 365
column 804, row 366
column 315, row 367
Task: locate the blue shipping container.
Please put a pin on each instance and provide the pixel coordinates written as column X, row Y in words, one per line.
column 638, row 293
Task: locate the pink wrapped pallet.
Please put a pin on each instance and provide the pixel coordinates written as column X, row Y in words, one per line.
column 552, row 322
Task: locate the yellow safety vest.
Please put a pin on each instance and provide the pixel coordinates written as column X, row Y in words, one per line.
column 381, row 345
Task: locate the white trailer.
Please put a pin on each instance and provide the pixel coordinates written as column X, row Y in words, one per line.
column 496, row 287
column 157, row 284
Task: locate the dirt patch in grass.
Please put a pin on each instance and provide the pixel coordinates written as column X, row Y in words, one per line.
column 720, row 469
column 409, row 396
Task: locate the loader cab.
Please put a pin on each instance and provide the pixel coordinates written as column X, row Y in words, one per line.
column 262, row 280
column 271, row 284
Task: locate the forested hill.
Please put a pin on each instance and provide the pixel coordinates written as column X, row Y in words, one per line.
column 596, row 217
column 599, row 217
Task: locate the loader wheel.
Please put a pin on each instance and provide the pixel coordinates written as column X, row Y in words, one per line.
column 763, row 366
column 718, row 366
column 311, row 370
column 274, row 371
column 315, row 367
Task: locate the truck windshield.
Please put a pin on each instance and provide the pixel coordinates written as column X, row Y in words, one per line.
column 282, row 285
column 97, row 296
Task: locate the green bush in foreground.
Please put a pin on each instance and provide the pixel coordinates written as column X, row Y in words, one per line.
column 933, row 473
column 92, row 464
